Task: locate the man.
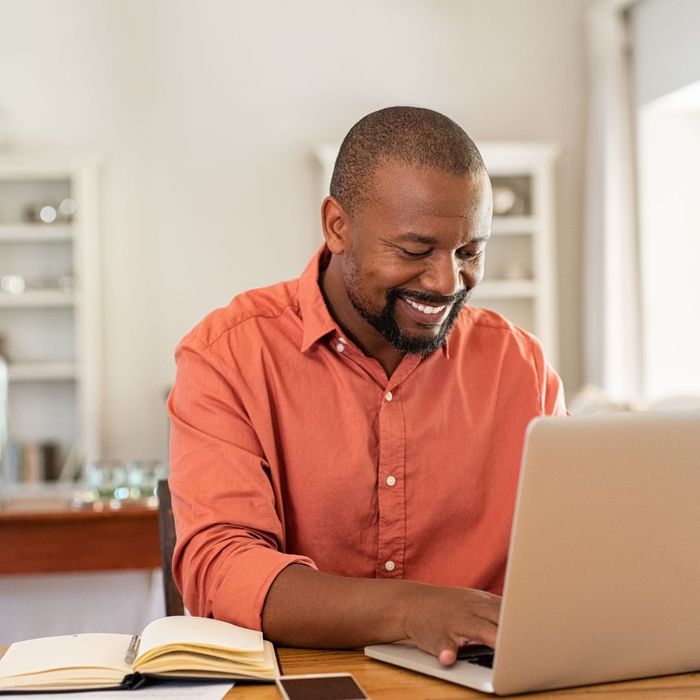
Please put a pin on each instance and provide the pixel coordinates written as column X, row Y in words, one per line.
column 345, row 447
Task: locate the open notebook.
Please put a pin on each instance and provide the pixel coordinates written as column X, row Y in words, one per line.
column 171, row 647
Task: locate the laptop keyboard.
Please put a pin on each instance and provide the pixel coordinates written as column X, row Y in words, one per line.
column 477, row 654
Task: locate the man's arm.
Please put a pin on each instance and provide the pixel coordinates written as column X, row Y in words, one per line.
column 307, row 608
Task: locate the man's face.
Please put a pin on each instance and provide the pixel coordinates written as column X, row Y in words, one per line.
column 416, row 251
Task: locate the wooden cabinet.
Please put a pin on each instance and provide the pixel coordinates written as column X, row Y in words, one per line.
column 82, row 540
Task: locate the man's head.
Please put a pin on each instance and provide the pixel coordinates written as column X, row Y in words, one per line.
column 407, row 223
column 409, row 135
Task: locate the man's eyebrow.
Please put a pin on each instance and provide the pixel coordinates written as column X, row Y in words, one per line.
column 417, row 238
column 411, row 237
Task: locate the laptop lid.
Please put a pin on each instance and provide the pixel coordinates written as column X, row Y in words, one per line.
column 603, row 579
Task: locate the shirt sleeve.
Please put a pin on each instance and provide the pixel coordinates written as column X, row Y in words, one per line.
column 230, row 538
column 554, row 402
column 551, row 388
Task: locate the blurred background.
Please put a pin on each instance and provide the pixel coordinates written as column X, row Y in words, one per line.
column 159, row 156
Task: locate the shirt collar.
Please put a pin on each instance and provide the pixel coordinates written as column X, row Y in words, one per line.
column 316, row 318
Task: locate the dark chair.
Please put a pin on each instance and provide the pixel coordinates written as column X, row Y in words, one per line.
column 166, row 525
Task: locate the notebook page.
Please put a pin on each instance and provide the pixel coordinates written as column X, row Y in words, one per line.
column 185, row 630
column 68, row 651
column 166, row 691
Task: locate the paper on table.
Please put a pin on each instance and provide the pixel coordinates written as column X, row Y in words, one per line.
column 161, row 691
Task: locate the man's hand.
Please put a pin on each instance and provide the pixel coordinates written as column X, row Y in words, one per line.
column 310, row 609
column 444, row 619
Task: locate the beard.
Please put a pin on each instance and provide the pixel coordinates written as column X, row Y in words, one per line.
column 385, row 321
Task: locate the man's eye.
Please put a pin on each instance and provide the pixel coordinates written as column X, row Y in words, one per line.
column 414, row 253
column 470, row 254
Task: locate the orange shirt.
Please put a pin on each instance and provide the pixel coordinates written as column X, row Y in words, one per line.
column 290, row 445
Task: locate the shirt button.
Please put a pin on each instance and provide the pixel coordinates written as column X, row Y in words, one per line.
column 340, row 347
column 389, row 566
column 390, row 480
column 388, row 396
column 342, row 340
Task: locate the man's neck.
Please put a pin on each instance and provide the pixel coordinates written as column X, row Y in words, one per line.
column 359, row 330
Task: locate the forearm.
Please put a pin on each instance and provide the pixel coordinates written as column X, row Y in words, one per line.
column 307, row 608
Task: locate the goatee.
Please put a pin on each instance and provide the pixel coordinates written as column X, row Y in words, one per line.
column 385, row 322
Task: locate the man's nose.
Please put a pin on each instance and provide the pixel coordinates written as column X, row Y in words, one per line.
column 442, row 276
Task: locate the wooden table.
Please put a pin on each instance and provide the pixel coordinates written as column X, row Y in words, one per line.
column 79, row 540
column 384, row 682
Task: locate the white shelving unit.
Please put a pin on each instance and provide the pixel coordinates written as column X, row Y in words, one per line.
column 51, row 329
column 519, row 280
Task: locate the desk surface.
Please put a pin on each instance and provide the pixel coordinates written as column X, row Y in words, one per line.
column 384, row 682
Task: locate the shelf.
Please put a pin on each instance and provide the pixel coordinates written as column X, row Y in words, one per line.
column 39, row 298
column 41, row 371
column 52, row 328
column 35, row 233
column 515, row 225
column 505, row 289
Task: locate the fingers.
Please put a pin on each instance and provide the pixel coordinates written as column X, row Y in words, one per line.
column 481, row 631
column 488, row 606
column 448, row 656
column 486, row 632
column 448, row 618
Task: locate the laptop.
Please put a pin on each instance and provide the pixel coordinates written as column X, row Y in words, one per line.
column 603, row 575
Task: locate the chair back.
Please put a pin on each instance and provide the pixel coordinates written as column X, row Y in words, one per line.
column 166, row 525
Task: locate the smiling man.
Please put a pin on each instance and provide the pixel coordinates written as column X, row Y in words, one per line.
column 345, row 447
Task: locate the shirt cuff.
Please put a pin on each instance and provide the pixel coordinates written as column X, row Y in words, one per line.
column 241, row 596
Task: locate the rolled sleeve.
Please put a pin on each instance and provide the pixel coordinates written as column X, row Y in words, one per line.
column 550, row 387
column 226, row 502
column 554, row 401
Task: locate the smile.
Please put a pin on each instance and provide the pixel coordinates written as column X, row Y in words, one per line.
column 425, row 309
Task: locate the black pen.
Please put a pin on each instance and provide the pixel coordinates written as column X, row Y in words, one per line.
column 133, row 648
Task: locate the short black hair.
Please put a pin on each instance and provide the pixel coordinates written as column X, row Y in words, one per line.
column 409, row 135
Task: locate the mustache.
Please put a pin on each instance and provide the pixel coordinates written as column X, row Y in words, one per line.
column 426, row 298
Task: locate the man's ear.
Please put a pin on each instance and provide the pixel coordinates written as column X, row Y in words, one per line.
column 336, row 225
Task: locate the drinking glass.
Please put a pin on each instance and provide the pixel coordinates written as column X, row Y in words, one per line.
column 106, row 479
column 143, row 477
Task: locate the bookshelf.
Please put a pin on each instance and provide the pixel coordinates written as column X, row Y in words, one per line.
column 49, row 310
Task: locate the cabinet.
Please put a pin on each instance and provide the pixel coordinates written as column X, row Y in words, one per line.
column 49, row 312
column 519, row 281
column 520, row 265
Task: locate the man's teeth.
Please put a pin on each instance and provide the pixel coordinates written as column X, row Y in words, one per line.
column 425, row 309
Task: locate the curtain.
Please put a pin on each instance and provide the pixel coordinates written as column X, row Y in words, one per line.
column 612, row 313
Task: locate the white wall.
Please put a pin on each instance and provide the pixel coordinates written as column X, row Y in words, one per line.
column 207, row 113
column 666, row 45
column 670, row 250
column 666, row 48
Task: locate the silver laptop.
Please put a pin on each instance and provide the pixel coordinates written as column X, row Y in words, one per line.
column 603, row 576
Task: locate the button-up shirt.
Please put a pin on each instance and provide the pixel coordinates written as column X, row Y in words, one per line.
column 289, row 444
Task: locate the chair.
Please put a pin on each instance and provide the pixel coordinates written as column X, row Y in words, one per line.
column 166, row 525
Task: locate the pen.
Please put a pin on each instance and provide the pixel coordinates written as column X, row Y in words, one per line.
column 133, row 648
